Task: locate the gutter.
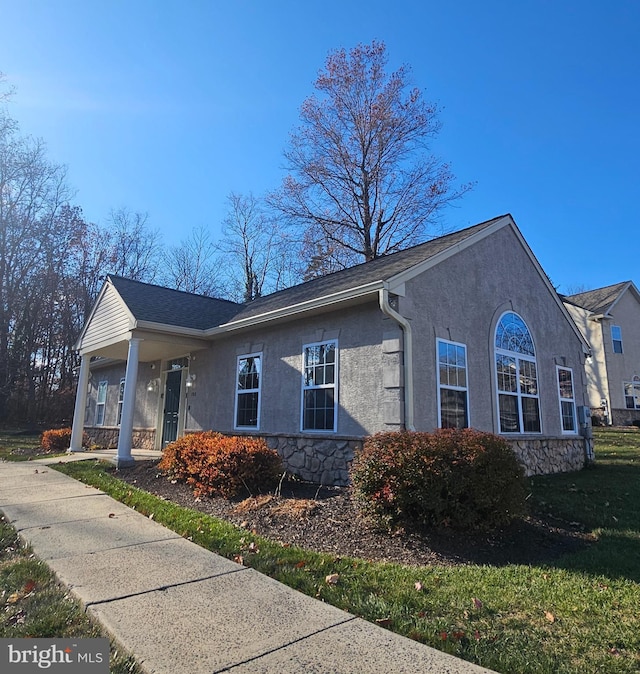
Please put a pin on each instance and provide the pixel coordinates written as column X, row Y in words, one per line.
column 385, row 307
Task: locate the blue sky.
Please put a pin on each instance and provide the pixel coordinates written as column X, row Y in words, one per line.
column 166, row 106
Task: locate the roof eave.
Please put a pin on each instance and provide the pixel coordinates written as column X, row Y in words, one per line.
column 325, row 301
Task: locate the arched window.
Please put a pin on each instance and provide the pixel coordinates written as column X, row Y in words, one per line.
column 517, row 376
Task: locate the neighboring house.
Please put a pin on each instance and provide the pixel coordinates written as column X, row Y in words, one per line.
column 464, row 330
column 609, row 319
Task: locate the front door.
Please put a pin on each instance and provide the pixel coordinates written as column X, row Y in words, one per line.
column 171, row 406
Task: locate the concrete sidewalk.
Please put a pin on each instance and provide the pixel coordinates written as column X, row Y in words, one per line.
column 178, row 607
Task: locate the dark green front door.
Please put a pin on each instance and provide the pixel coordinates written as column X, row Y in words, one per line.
column 171, row 406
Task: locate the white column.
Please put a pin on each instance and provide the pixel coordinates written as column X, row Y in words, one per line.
column 81, row 405
column 125, row 439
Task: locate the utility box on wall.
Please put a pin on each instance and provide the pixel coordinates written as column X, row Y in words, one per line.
column 584, row 421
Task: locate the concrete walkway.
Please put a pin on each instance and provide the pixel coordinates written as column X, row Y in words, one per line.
column 180, row 608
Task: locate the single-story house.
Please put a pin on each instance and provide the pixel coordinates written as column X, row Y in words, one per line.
column 463, row 330
column 609, row 319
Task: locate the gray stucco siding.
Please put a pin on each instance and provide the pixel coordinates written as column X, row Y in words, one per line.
column 359, row 333
column 461, row 301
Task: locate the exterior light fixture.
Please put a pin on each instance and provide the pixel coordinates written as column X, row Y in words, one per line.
column 191, row 381
column 152, row 385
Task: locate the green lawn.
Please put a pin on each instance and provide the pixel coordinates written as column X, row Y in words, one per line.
column 580, row 614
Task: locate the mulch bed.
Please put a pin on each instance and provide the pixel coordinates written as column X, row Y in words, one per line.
column 326, row 519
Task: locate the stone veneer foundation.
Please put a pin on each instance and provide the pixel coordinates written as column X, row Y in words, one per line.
column 326, row 460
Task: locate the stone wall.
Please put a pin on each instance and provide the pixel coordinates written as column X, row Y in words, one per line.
column 541, row 456
column 624, row 417
column 320, row 460
column 106, row 437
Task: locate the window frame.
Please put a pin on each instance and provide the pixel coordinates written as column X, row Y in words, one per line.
column 120, row 401
column 316, row 387
column 451, row 387
column 101, row 405
column 616, row 340
column 520, row 358
column 562, row 399
column 634, row 384
column 238, row 391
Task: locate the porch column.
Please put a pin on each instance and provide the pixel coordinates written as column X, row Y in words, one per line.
column 81, row 405
column 125, row 438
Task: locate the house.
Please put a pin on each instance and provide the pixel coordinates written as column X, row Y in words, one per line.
column 464, row 330
column 609, row 319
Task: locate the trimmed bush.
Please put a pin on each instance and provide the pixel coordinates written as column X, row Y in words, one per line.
column 58, row 440
column 216, row 464
column 463, row 479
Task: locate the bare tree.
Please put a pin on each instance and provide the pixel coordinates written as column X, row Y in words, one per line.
column 361, row 171
column 192, row 266
column 136, row 248
column 261, row 253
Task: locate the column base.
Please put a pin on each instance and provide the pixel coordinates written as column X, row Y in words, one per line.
column 73, row 450
column 124, row 462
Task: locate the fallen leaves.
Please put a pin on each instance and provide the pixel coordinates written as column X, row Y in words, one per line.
column 549, row 617
column 332, row 579
column 419, row 586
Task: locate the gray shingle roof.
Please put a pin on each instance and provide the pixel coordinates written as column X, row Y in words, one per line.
column 173, row 307
column 598, row 301
column 380, row 269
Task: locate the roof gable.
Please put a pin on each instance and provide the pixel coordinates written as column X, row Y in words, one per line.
column 156, row 304
column 601, row 301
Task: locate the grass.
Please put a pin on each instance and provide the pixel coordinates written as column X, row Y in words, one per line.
column 21, row 445
column 581, row 614
column 34, row 605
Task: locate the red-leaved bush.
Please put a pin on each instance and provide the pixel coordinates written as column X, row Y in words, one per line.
column 216, row 464
column 58, row 440
column 459, row 478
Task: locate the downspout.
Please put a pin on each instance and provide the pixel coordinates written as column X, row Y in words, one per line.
column 383, row 298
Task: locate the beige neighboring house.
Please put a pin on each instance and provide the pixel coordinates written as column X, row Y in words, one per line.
column 609, row 319
column 461, row 331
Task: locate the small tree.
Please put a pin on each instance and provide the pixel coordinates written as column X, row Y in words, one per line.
column 361, row 171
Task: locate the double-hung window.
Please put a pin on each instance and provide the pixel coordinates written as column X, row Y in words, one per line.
column 517, row 376
column 616, row 338
column 120, row 400
column 319, row 386
column 248, row 382
column 452, row 385
column 101, row 400
column 632, row 394
column 567, row 400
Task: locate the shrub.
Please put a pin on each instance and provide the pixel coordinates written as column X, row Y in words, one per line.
column 215, row 464
column 459, row 478
column 58, row 440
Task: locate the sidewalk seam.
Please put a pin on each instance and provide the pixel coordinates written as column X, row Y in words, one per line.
column 230, row 668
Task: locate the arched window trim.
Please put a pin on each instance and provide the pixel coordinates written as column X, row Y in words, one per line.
column 517, row 385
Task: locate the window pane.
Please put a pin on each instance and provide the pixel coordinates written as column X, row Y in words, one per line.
column 509, row 421
column 528, row 378
column 513, row 335
column 247, row 409
column 507, row 379
column 102, row 391
column 319, row 409
column 568, row 416
column 453, row 409
column 100, row 415
column 565, row 384
column 531, row 415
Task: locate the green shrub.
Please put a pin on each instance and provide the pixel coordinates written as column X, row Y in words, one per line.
column 459, row 478
column 216, row 464
column 58, row 440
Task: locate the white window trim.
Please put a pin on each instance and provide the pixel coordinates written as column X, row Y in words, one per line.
column 615, row 339
column 103, row 404
column 258, row 390
column 448, row 386
column 334, row 386
column 567, row 400
column 634, row 383
column 519, row 357
column 120, row 401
